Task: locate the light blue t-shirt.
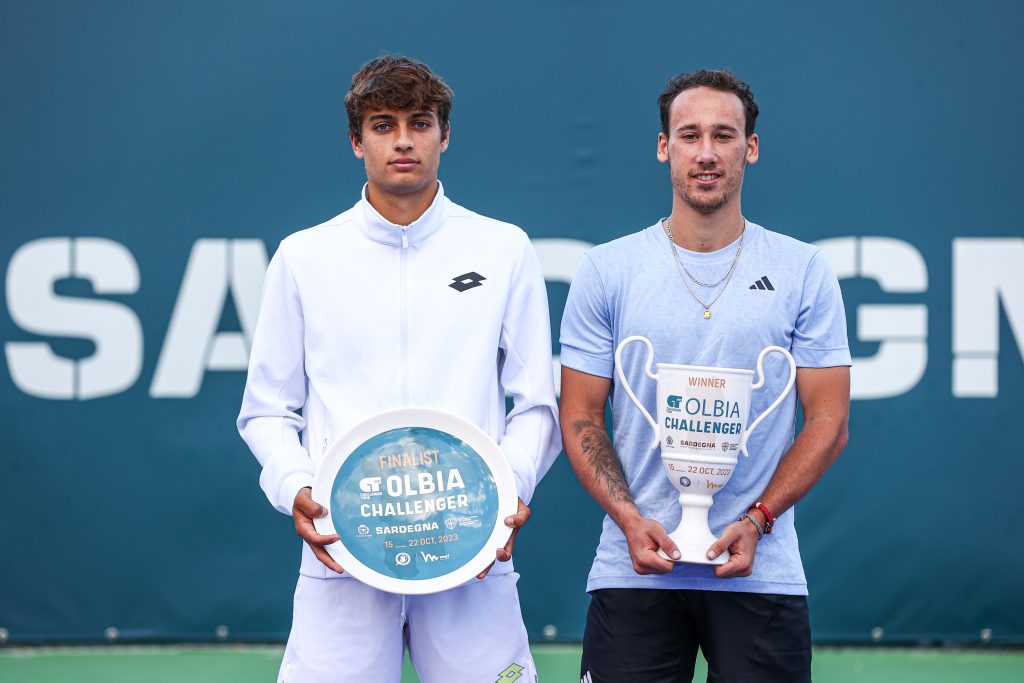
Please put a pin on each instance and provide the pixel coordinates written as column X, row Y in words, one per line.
column 631, row 286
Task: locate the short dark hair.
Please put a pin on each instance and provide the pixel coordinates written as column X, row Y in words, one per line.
column 396, row 82
column 717, row 79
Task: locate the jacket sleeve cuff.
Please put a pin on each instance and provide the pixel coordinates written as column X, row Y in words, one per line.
column 290, row 488
column 522, row 467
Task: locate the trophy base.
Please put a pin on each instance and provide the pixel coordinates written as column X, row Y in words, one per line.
column 696, row 553
column 693, row 536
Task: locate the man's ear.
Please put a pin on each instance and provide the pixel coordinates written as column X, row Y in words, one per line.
column 446, row 137
column 662, row 148
column 357, row 146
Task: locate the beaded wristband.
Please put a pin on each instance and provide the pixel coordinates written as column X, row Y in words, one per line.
column 760, row 531
column 769, row 520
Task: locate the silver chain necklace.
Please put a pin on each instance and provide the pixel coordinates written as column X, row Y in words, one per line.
column 683, row 272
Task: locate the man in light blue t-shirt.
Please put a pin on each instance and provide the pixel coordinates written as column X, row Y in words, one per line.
column 707, row 287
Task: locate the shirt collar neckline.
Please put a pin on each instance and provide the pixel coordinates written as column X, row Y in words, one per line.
column 380, row 229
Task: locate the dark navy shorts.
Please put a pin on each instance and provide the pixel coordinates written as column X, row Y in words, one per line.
column 639, row 635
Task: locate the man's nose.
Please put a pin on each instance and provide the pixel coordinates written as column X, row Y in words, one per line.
column 706, row 154
column 404, row 139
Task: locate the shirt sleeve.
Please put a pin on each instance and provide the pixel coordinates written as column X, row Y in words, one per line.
column 532, row 439
column 819, row 339
column 275, row 389
column 587, row 337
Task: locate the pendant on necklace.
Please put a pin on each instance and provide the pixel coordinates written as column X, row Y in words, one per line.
column 707, row 313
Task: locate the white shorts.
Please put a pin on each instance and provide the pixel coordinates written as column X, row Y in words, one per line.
column 343, row 631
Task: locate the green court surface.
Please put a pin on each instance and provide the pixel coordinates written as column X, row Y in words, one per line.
column 556, row 664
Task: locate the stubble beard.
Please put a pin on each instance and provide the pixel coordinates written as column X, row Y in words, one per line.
column 709, row 201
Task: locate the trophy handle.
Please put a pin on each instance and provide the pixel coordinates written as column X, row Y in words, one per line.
column 647, row 371
column 760, row 383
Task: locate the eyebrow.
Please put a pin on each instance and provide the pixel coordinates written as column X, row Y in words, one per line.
column 391, row 117
column 717, row 126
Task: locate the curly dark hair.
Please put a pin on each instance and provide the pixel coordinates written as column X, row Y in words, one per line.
column 723, row 80
column 396, row 82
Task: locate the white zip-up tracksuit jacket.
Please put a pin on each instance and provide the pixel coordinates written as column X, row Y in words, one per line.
column 358, row 316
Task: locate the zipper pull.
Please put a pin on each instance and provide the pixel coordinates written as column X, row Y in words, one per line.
column 405, row 238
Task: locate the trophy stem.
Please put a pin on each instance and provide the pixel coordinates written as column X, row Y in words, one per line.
column 693, row 537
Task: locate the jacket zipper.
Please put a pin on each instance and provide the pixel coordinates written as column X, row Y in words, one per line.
column 327, row 431
column 404, row 314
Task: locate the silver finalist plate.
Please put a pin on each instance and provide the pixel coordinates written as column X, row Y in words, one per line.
column 418, row 498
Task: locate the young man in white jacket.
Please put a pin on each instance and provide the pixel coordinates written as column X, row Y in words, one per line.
column 404, row 300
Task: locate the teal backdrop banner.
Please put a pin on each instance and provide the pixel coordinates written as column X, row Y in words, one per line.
column 154, row 154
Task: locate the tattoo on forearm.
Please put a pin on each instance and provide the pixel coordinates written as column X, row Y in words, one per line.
column 603, row 460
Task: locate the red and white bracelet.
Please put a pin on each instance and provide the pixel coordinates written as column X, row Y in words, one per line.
column 769, row 520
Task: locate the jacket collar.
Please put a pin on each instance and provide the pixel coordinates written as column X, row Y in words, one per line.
column 380, row 229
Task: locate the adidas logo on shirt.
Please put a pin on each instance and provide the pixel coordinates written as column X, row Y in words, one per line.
column 763, row 283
